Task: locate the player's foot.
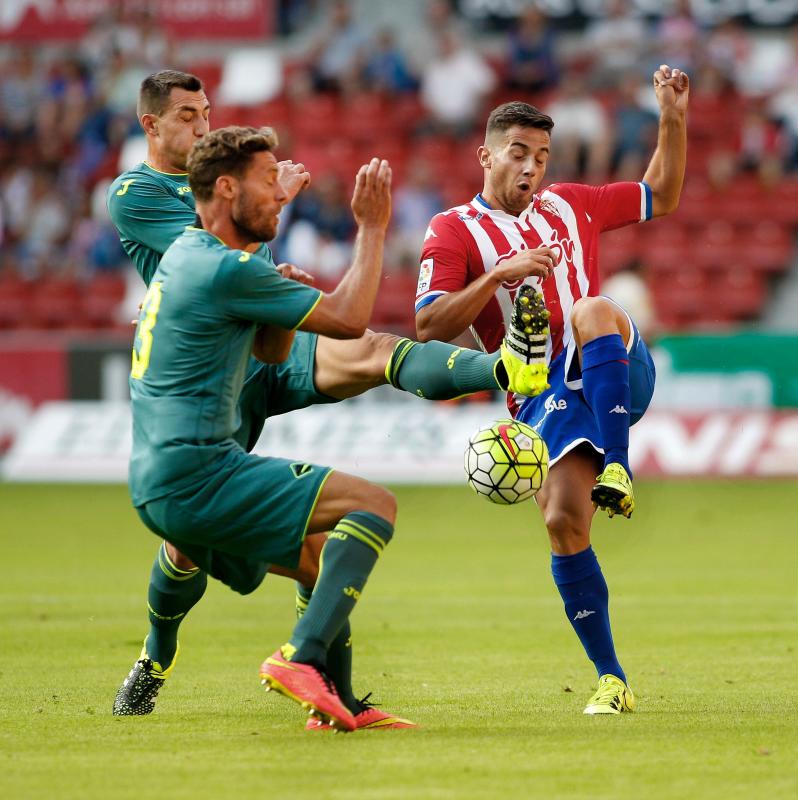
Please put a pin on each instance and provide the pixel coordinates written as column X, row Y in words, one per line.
column 368, row 718
column 524, row 347
column 308, row 686
column 613, row 696
column 613, row 491
column 136, row 696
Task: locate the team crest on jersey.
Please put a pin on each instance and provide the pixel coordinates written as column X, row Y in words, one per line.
column 549, row 206
column 425, row 276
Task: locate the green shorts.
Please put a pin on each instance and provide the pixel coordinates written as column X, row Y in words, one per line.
column 273, row 389
column 252, row 512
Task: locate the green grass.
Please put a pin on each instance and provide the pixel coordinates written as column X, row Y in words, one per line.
column 460, row 629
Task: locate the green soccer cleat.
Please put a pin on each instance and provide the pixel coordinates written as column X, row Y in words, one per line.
column 136, row 696
column 523, row 350
column 613, row 696
column 613, row 491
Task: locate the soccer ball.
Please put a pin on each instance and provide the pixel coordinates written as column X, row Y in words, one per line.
column 507, row 462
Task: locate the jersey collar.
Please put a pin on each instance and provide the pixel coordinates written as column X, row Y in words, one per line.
column 482, row 204
column 178, row 176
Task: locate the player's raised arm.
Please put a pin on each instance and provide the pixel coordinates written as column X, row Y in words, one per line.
column 665, row 173
column 345, row 312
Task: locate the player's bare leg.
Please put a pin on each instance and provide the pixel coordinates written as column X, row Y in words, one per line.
column 567, row 510
column 432, row 370
column 602, row 330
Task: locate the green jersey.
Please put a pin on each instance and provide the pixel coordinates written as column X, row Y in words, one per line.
column 191, row 351
column 150, row 209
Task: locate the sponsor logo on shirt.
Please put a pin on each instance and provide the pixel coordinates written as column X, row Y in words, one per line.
column 554, row 405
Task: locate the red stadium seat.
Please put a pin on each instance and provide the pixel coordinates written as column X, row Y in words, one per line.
column 100, row 299
column 55, row 303
column 737, row 294
column 769, row 247
column 14, row 300
column 618, row 249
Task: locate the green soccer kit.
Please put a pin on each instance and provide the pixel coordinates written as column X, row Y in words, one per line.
column 230, row 512
column 150, row 209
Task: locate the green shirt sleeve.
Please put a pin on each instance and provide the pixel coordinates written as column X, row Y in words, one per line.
column 249, row 287
column 148, row 218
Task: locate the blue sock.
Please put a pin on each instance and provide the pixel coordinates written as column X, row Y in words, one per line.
column 584, row 592
column 605, row 385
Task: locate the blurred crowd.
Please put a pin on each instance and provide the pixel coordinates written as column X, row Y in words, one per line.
column 66, row 115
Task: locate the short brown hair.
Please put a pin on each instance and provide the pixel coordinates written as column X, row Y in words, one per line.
column 156, row 88
column 225, row 151
column 507, row 115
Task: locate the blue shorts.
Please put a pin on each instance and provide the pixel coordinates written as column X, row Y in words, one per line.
column 561, row 414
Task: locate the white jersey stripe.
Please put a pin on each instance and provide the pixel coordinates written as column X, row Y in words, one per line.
column 489, row 257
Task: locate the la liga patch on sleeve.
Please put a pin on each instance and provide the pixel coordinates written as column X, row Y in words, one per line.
column 424, row 276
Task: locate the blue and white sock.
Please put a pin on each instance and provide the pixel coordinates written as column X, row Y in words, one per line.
column 584, row 592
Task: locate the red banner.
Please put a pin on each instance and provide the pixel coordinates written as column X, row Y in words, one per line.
column 57, row 20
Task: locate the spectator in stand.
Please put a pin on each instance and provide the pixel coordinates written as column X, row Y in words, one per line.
column 321, row 231
column 783, row 105
column 677, row 36
column 584, row 138
column 415, row 202
column 635, row 129
column 454, row 85
column 439, row 18
column 46, row 229
column 617, row 41
column 386, row 68
column 21, row 91
column 728, row 49
column 628, row 288
column 532, row 62
column 761, row 145
column 338, row 55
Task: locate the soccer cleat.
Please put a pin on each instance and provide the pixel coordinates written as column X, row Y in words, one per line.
column 308, row 686
column 368, row 718
column 136, row 696
column 613, row 491
column 613, row 696
column 523, row 350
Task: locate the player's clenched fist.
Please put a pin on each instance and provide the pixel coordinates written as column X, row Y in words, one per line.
column 539, row 261
column 672, row 87
column 293, row 177
column 371, row 201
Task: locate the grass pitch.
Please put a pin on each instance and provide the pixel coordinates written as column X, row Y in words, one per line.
column 460, row 629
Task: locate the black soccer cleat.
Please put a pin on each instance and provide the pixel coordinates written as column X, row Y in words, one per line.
column 138, row 692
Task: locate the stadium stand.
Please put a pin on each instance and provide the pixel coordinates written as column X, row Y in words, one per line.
column 725, row 250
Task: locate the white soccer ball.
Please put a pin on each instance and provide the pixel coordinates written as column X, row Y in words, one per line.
column 506, row 462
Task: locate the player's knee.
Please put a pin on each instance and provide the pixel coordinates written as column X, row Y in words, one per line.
column 567, row 529
column 178, row 559
column 588, row 310
column 384, row 504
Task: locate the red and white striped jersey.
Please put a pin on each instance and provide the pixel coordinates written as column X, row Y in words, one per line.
column 466, row 241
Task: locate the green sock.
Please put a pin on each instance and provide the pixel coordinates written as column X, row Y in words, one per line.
column 440, row 371
column 347, row 559
column 339, row 655
column 172, row 594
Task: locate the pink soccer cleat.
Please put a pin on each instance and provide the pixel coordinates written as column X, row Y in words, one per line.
column 308, row 686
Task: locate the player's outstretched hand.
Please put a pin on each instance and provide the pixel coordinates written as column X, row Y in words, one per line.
column 672, row 87
column 540, row 261
column 371, row 201
column 295, row 274
column 293, row 177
